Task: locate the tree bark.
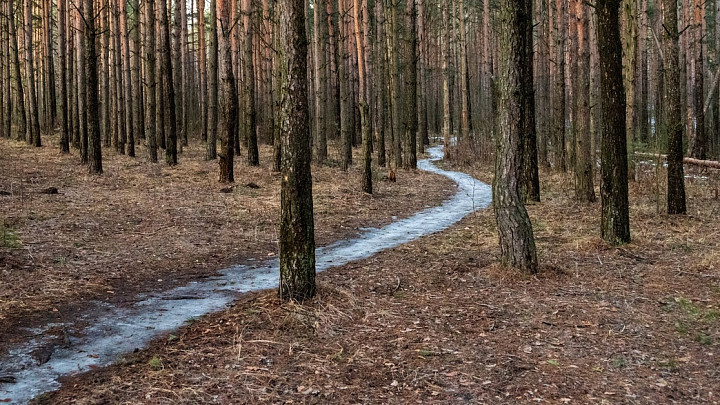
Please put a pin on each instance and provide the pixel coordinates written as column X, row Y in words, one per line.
column 530, row 176
column 584, row 187
column 150, row 81
column 62, row 50
column 673, row 114
column 230, row 107
column 93, row 111
column 558, row 97
column 33, row 135
column 297, row 233
column 615, row 222
column 411, row 125
column 127, row 78
column 166, row 70
column 517, row 244
column 699, row 149
column 202, row 60
column 321, row 38
column 250, row 126
column 366, row 182
column 213, row 72
column 23, row 126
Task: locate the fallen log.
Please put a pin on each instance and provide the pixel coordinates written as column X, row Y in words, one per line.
column 713, row 164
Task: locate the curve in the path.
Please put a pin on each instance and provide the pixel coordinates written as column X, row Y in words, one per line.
column 115, row 331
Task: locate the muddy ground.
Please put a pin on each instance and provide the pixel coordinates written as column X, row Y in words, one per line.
column 439, row 321
column 143, row 227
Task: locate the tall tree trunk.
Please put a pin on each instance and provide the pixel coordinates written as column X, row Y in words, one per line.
column 530, row 178
column 93, row 111
column 445, row 54
column 364, row 107
column 166, row 70
column 630, row 43
column 212, row 128
column 230, row 107
column 321, row 38
column 250, row 113
column 107, row 128
column 343, row 83
column 517, row 244
column 50, row 98
column 297, row 232
column 381, row 69
column 137, row 94
column 584, row 187
column 411, row 126
column 182, row 90
column 150, row 81
column 542, row 99
column 699, row 150
column 33, row 135
column 203, row 69
column 23, row 126
column 423, row 39
column 62, row 50
column 176, row 62
column 464, row 96
column 559, row 85
column 615, row 222
column 673, row 114
column 119, row 83
column 127, row 78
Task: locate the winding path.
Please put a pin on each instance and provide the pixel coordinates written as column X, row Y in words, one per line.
column 115, row 331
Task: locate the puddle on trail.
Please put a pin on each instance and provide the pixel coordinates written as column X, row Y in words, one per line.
column 117, row 331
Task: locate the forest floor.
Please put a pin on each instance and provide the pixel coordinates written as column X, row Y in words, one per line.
column 144, row 227
column 439, row 321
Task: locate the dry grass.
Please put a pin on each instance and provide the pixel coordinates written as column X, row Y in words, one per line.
column 438, row 321
column 143, row 226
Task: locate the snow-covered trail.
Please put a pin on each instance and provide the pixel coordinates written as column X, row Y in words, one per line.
column 115, row 331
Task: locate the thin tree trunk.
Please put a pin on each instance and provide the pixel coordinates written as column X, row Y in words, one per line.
column 33, row 135
column 127, row 78
column 250, row 113
column 50, row 98
column 119, row 83
column 673, row 114
column 62, row 50
column 559, row 86
column 366, row 182
column 137, row 96
column 212, row 128
column 23, row 126
column 381, row 54
column 699, row 150
column 150, row 81
column 93, row 111
column 584, row 187
column 230, row 107
column 411, row 126
column 321, row 38
column 166, row 70
column 203, row 68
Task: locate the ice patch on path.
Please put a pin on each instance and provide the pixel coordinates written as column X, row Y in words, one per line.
column 116, row 331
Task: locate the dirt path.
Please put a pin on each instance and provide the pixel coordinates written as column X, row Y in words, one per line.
column 438, row 321
column 114, row 330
